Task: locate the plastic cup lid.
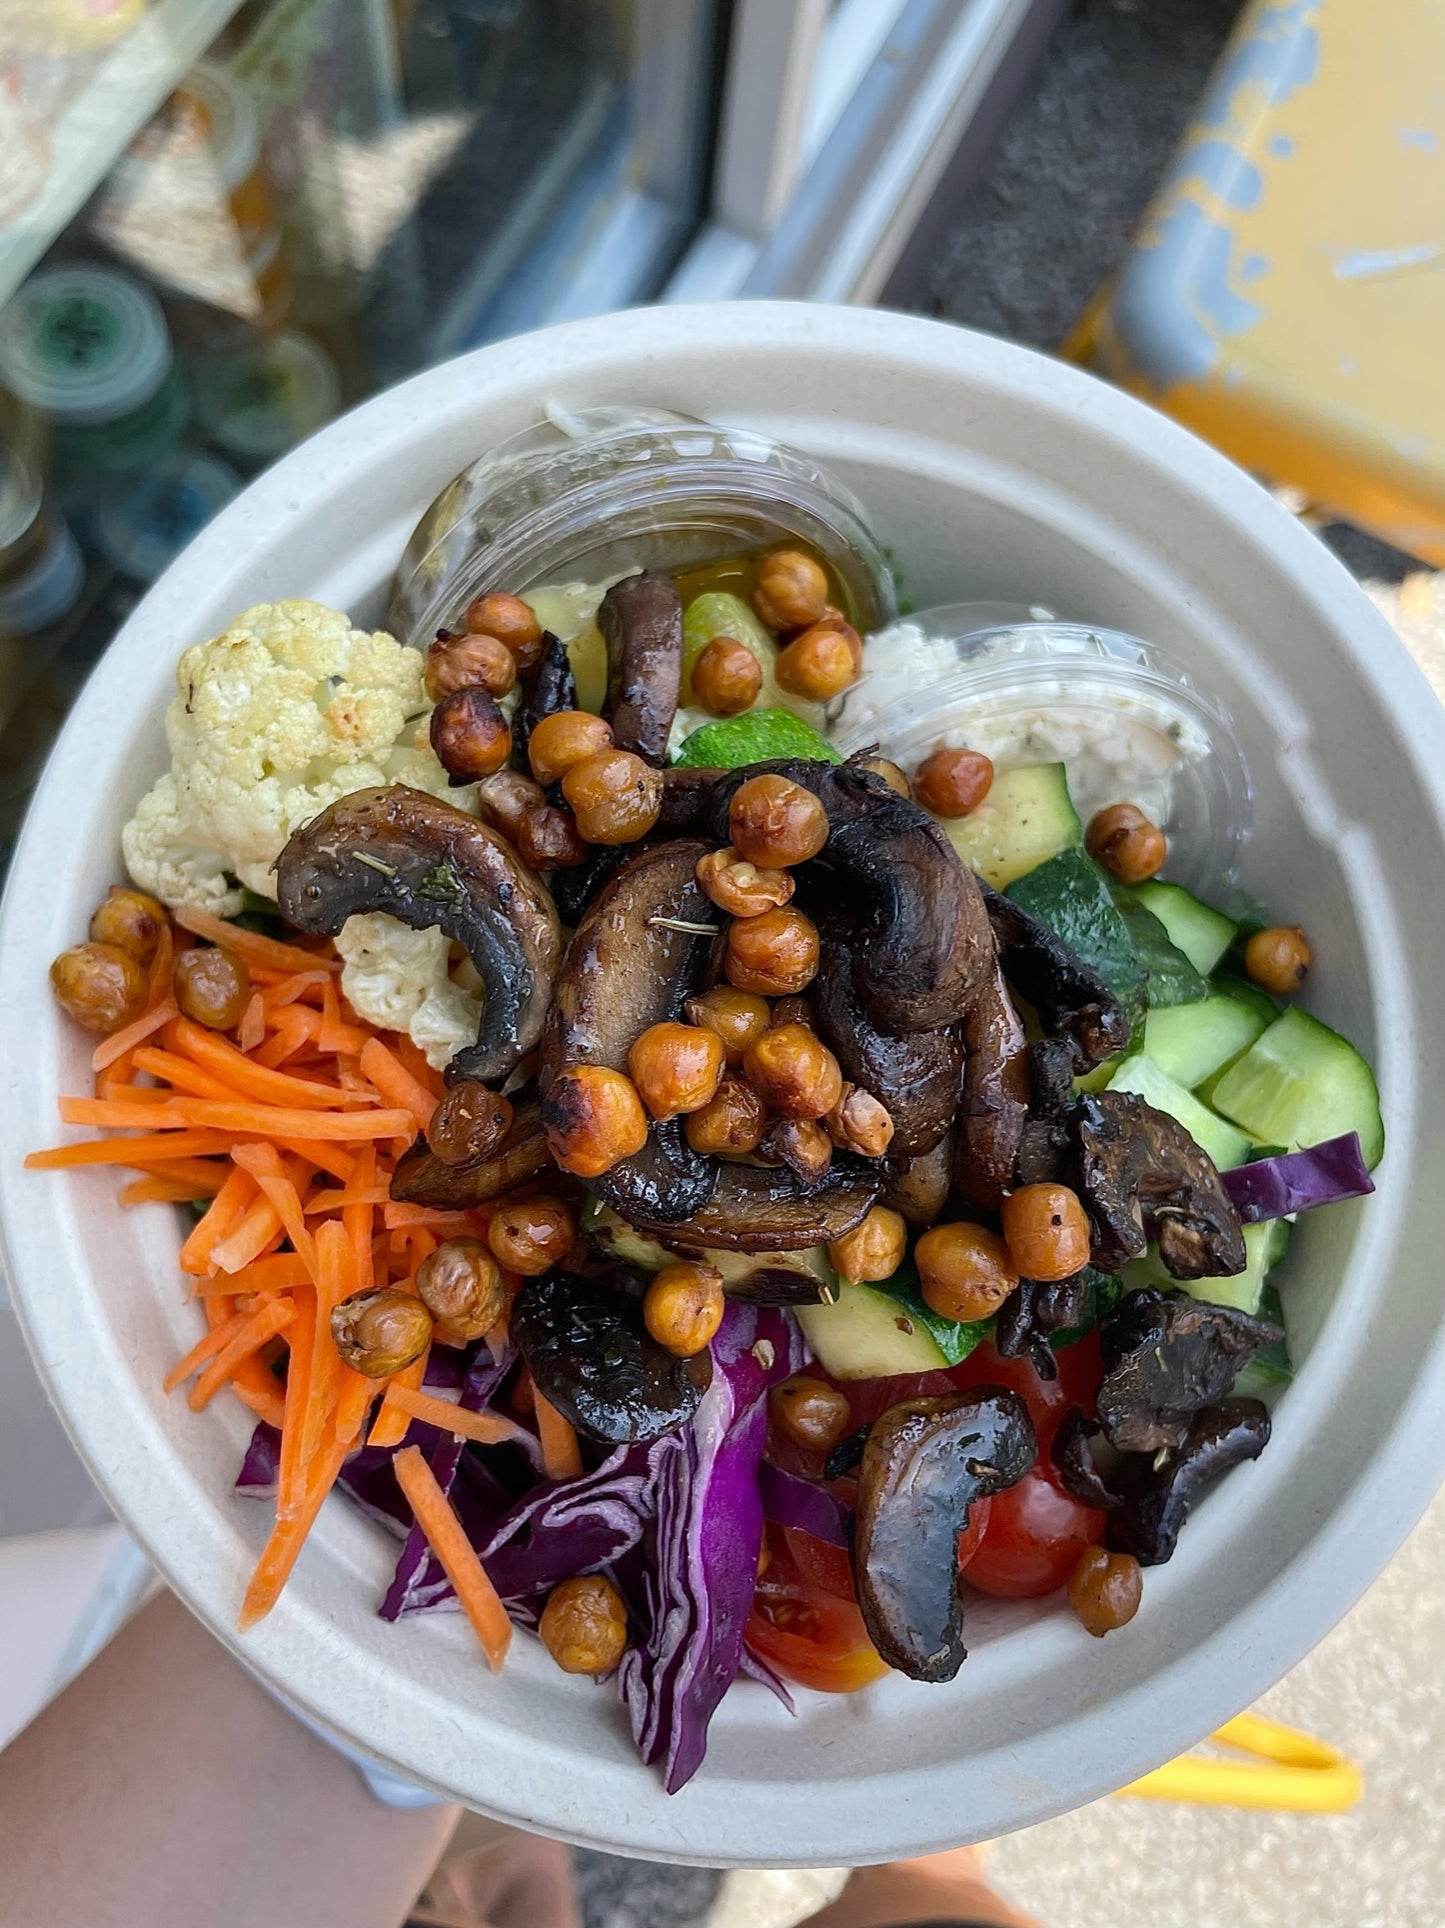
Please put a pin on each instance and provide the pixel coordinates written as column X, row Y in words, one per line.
column 209, row 115
column 142, row 530
column 88, row 344
column 46, row 590
column 269, row 397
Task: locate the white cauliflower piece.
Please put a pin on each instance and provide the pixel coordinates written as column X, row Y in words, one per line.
column 285, row 711
column 401, row 980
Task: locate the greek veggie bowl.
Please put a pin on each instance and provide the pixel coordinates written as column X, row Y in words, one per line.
column 689, row 1143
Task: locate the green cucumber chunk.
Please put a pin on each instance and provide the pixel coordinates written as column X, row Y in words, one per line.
column 718, row 612
column 1300, row 1083
column 1212, row 1134
column 758, row 736
column 1204, row 935
column 1190, row 1042
column 1244, row 1290
column 1169, row 977
column 1026, row 818
column 1071, row 894
column 876, row 1331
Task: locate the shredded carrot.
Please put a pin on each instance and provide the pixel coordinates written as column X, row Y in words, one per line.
column 273, row 1317
column 222, row 1217
column 389, row 1426
column 434, row 1515
column 255, row 1233
column 561, row 1456
column 353, row 1404
column 161, row 1188
column 139, row 1153
column 263, row 1162
column 398, row 1217
column 415, row 1060
column 201, row 1351
column 264, row 952
column 291, row 1478
column 332, row 1282
column 181, row 1074
column 395, row 1084
column 291, row 1032
column 333, row 1200
column 274, row 1272
column 287, row 990
column 490, row 1429
column 250, row 1081
column 119, row 1042
column 327, row 1158
column 255, row 1387
column 255, row 1120
column 251, row 1032
column 288, row 1536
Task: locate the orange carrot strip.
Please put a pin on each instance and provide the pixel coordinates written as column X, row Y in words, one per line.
column 119, row 1042
column 251, row 1031
column 259, row 1121
column 359, row 1218
column 265, row 952
column 415, row 1060
column 389, row 1426
column 288, row 990
column 398, row 1217
column 491, row 1429
column 254, row 1386
column 561, row 1455
column 182, row 1075
column 159, row 1188
column 273, row 1317
column 329, row 1037
column 160, row 990
column 138, row 1153
column 222, row 1217
column 288, row 1536
column 248, row 1080
column 394, row 1083
column 136, row 1094
column 263, row 1162
column 353, row 1404
column 479, row 1599
column 334, row 1200
column 272, row 1272
column 256, row 1233
column 326, row 1368
column 215, row 1341
column 291, row 1476
column 327, row 1158
column 290, row 1033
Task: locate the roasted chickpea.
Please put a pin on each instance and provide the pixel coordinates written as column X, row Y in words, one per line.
column 740, row 888
column 801, row 1144
column 810, row 1412
column 468, row 663
column 505, row 797
column 615, row 796
column 461, row 1285
column 592, row 1117
column 821, row 663
column 790, row 590
column 953, row 783
column 1124, row 841
column 380, row 1330
column 730, row 1124
column 737, row 1016
column 676, row 1067
column 469, row 1123
column 213, row 986
column 1046, row 1232
column 470, row 735
column 531, row 1235
column 792, row 1010
column 860, row 1123
column 1277, row 959
column 100, row 985
column 548, row 839
column 891, row 773
column 774, row 954
column 564, row 738
column 794, row 1071
column 727, row 677
column 1105, row 1590
column 584, row 1624
column 131, row 921
column 510, row 620
column 774, row 822
column 683, row 1307
column 965, row 1271
column 873, row 1250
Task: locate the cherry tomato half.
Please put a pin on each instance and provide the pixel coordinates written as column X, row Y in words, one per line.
column 968, row 1541
column 820, row 1564
column 807, row 1633
column 1080, row 1370
column 1033, row 1539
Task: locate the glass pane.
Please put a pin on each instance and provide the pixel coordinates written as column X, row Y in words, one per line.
column 221, row 224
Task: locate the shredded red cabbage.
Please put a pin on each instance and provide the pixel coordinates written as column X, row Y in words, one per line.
column 1320, row 1175
column 802, row 1503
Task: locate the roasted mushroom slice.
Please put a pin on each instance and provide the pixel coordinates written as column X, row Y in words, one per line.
column 919, row 1188
column 591, row 1357
column 757, row 1208
column 1074, row 1463
column 995, row 1102
column 545, row 688
column 1072, row 1001
column 1166, row 1356
column 1142, row 1176
column 429, row 864
column 925, row 1464
column 641, row 623
column 1158, row 1494
column 421, row 1178
column 637, row 955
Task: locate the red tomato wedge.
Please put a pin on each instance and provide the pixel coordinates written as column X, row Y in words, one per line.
column 806, row 1632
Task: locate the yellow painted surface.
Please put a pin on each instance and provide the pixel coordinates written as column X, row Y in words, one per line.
column 1286, row 297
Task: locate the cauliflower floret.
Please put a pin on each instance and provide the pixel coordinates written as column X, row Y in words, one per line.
column 285, row 711
column 400, row 980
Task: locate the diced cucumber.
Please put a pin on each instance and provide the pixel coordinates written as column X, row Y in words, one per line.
column 1213, row 1134
column 1026, row 818
column 718, row 612
column 614, row 1238
column 1244, row 992
column 1169, row 977
column 1098, row 1078
column 1071, row 895
column 1204, row 935
column 1274, row 1367
column 1264, row 1245
column 1190, row 1042
column 757, row 736
column 1300, row 1083
column 868, row 1335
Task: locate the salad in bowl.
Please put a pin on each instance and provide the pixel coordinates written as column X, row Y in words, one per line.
column 723, row 1160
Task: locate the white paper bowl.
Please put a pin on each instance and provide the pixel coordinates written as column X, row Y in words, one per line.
column 995, row 474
